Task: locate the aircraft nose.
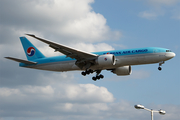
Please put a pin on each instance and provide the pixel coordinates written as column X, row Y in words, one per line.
column 170, row 55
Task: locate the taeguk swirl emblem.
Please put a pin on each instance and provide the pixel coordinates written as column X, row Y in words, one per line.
column 30, row 51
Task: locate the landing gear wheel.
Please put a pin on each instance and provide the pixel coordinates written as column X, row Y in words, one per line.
column 101, row 76
column 83, row 73
column 160, row 64
column 88, row 72
column 159, row 68
column 94, row 78
column 98, row 77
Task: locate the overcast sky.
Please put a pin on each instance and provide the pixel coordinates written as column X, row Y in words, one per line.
column 89, row 25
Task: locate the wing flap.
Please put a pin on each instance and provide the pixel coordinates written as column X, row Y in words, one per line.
column 68, row 51
column 21, row 61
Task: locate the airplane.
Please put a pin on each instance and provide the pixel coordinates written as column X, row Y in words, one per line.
column 118, row 62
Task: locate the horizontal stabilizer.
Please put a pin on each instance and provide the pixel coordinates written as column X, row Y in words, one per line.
column 21, row 61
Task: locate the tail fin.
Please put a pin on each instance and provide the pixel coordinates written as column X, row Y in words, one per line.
column 30, row 50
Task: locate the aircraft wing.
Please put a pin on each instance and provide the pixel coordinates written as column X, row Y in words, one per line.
column 68, row 51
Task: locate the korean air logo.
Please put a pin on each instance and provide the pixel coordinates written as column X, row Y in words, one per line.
column 30, row 51
column 105, row 59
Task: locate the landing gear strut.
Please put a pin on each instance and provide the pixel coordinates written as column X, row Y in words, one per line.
column 97, row 77
column 160, row 64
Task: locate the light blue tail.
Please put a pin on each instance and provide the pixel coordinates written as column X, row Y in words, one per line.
column 32, row 53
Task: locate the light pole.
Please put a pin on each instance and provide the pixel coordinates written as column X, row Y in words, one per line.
column 162, row 112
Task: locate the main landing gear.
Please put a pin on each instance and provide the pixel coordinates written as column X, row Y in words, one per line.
column 160, row 64
column 97, row 77
column 87, row 72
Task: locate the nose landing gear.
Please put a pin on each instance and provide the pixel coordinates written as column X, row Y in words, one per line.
column 160, row 64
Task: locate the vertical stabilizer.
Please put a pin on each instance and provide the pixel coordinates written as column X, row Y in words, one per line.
column 30, row 50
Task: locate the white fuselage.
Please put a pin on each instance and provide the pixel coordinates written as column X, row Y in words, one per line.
column 138, row 59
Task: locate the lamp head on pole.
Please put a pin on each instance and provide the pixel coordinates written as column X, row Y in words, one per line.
column 162, row 112
column 139, row 106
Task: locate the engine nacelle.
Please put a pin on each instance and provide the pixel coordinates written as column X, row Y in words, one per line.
column 106, row 60
column 125, row 70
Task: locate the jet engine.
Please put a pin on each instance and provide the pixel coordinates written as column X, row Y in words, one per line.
column 120, row 71
column 106, row 60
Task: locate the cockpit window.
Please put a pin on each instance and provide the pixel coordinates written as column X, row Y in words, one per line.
column 168, row 50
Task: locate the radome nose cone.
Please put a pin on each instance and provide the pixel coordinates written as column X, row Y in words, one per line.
column 170, row 55
column 174, row 54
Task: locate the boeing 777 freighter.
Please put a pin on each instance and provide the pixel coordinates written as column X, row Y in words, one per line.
column 117, row 61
